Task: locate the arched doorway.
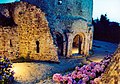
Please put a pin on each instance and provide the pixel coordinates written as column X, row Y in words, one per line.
column 59, row 41
column 76, row 46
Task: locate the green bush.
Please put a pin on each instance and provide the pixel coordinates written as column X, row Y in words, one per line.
column 6, row 75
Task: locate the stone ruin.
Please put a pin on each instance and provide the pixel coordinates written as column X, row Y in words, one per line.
column 112, row 73
column 46, row 29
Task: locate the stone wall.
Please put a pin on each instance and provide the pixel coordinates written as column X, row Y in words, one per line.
column 112, row 73
column 9, row 42
column 31, row 37
column 65, row 20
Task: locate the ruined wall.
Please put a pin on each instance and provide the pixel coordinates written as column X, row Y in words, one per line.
column 9, row 42
column 112, row 73
column 80, row 8
column 69, row 18
column 32, row 38
column 32, row 33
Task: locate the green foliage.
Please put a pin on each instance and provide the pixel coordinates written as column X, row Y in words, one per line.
column 6, row 75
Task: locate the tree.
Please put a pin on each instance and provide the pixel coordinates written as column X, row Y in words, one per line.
column 106, row 30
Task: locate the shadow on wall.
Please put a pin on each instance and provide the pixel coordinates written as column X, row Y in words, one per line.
column 6, row 21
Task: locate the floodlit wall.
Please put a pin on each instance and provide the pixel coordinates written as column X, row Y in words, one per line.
column 31, row 38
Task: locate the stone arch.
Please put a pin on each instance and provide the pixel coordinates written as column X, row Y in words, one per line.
column 78, row 44
column 59, row 43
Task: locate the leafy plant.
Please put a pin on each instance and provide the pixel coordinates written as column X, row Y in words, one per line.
column 6, row 75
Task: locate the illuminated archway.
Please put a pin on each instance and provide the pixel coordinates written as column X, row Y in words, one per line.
column 77, row 45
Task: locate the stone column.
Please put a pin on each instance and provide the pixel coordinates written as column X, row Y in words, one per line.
column 70, row 41
column 86, row 48
column 83, row 45
column 64, row 48
column 91, row 37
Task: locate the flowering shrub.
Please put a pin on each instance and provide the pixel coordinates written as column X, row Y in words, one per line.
column 87, row 74
column 6, row 75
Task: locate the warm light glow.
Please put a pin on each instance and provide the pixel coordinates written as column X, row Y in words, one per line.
column 75, row 50
column 96, row 59
column 25, row 72
column 18, row 69
column 21, row 71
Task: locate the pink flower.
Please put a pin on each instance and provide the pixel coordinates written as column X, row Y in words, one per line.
column 77, row 68
column 82, row 69
column 69, row 74
column 79, row 72
column 84, row 72
column 97, row 67
column 74, row 74
column 88, row 67
column 85, row 79
column 83, row 83
column 79, row 76
column 57, row 77
column 107, row 60
column 92, row 82
column 65, row 78
column 69, row 80
column 93, row 75
column 93, row 70
column 88, row 73
column 92, row 64
column 84, row 75
column 83, row 66
column 101, row 69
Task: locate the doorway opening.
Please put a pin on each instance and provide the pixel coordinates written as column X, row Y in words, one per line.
column 59, row 40
column 76, row 46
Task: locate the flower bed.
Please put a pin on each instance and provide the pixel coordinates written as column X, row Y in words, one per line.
column 6, row 75
column 87, row 74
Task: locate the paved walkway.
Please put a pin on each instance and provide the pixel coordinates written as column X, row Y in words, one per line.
column 36, row 72
column 31, row 73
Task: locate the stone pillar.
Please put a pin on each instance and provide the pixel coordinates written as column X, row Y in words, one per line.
column 70, row 41
column 83, row 45
column 64, row 48
column 91, row 37
column 86, row 48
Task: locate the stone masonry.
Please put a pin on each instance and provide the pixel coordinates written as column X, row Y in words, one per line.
column 31, row 32
column 47, row 29
column 112, row 73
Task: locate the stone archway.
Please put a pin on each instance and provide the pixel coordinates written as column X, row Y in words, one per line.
column 77, row 45
column 59, row 42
